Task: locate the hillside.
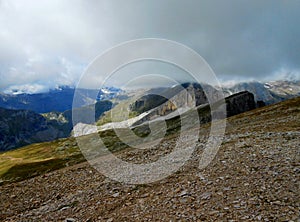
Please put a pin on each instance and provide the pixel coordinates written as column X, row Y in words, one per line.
column 254, row 177
column 235, row 104
column 264, row 93
column 22, row 127
column 60, row 151
column 184, row 94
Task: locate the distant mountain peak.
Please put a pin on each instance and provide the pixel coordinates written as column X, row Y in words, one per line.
column 59, row 99
column 269, row 92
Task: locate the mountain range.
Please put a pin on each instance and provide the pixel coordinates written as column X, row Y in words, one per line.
column 59, row 100
column 268, row 92
column 31, row 118
column 22, row 127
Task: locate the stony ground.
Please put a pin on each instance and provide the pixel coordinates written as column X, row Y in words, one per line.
column 254, row 177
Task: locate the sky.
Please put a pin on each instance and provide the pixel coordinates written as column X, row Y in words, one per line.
column 48, row 43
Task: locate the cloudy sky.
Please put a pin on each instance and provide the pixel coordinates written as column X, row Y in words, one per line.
column 47, row 43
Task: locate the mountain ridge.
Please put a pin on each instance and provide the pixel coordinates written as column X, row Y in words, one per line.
column 22, row 127
column 57, row 100
column 254, row 176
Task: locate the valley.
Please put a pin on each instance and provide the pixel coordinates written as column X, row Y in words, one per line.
column 253, row 177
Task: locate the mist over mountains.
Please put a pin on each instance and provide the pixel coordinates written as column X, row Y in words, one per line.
column 269, row 92
column 58, row 100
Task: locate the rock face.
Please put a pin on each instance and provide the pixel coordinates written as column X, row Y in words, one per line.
column 22, row 127
column 184, row 95
column 191, row 96
column 260, row 104
column 235, row 104
column 147, row 102
column 239, row 103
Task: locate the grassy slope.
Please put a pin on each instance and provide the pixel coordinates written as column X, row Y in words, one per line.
column 119, row 111
column 40, row 158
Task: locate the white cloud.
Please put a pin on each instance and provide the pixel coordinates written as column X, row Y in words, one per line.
column 50, row 42
column 27, row 88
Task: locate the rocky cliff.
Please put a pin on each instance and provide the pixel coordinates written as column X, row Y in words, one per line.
column 239, row 103
column 183, row 96
column 235, row 104
column 22, row 127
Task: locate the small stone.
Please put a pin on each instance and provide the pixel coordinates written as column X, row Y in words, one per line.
column 209, row 183
column 226, row 188
column 70, row 220
column 183, row 200
column 220, row 193
column 201, row 176
column 183, row 193
column 145, row 195
column 277, row 202
column 115, row 194
column 213, row 212
column 205, row 196
column 64, row 208
column 177, row 190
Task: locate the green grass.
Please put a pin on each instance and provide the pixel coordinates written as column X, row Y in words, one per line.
column 40, row 158
column 118, row 112
column 37, row 159
column 24, row 170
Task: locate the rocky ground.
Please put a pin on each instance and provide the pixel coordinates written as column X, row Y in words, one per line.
column 255, row 176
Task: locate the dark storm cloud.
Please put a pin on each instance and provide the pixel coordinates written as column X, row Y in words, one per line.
column 49, row 43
